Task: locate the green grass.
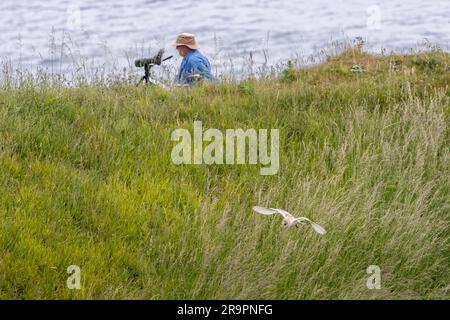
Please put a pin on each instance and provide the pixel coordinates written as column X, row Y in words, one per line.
column 86, row 179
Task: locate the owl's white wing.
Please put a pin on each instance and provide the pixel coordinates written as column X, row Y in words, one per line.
column 284, row 213
column 318, row 228
column 263, row 210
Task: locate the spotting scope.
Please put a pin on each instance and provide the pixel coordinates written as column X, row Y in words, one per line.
column 148, row 63
column 156, row 60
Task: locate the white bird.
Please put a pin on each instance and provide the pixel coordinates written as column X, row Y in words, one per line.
column 288, row 219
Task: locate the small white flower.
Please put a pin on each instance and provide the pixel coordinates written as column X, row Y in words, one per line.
column 288, row 219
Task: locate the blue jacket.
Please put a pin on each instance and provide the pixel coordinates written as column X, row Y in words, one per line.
column 194, row 67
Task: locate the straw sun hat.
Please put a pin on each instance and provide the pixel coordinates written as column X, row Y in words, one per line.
column 186, row 39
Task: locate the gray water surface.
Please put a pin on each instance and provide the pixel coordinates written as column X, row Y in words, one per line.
column 55, row 33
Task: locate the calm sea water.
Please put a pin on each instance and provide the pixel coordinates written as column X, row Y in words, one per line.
column 55, row 33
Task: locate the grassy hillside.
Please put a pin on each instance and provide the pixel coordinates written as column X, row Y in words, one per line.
column 86, row 179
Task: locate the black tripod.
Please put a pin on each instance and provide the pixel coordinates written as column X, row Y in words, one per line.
column 146, row 76
column 148, row 64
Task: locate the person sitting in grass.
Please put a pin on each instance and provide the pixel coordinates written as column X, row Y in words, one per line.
column 195, row 66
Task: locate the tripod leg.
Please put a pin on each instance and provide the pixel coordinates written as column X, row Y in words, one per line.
column 140, row 81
